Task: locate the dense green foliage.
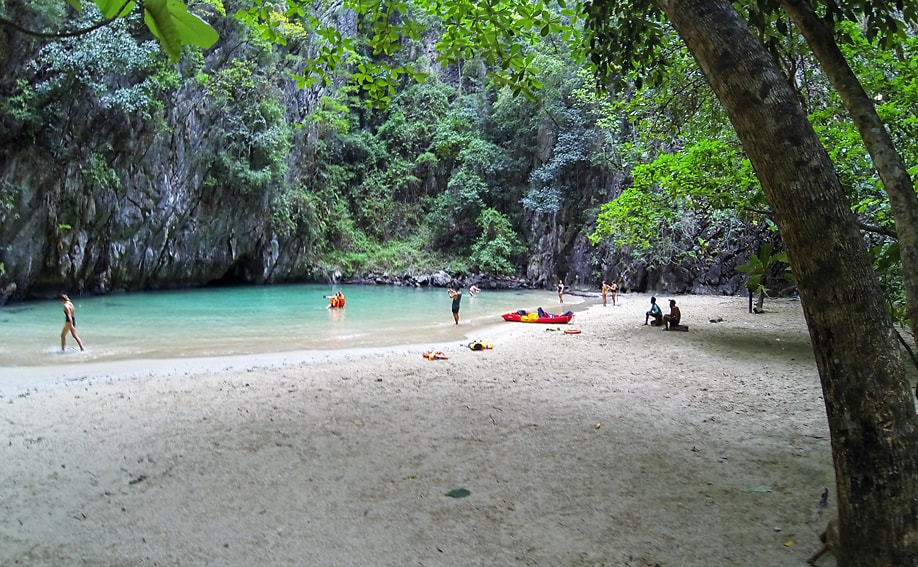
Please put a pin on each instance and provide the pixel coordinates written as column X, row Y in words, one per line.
column 438, row 176
column 688, row 161
column 889, row 77
column 688, row 170
column 501, row 35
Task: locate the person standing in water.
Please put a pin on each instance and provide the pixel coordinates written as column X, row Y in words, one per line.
column 456, row 294
column 69, row 323
column 561, row 290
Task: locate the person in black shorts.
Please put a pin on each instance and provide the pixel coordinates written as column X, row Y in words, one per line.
column 456, row 295
column 675, row 315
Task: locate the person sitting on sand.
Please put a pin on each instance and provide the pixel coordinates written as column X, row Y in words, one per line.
column 674, row 316
column 654, row 312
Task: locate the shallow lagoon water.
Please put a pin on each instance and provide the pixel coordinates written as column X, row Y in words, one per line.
column 217, row 322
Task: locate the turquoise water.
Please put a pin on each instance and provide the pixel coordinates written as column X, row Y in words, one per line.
column 234, row 321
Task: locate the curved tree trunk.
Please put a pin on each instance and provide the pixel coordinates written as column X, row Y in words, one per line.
column 868, row 401
column 903, row 200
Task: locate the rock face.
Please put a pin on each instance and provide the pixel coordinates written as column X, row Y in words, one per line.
column 95, row 198
column 157, row 226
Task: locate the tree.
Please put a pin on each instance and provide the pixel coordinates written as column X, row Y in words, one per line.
column 758, row 269
column 898, row 183
column 870, row 411
column 497, row 245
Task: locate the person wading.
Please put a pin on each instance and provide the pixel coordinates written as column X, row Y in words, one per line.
column 456, row 294
column 69, row 323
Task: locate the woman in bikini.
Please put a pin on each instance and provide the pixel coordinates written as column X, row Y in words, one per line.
column 69, row 323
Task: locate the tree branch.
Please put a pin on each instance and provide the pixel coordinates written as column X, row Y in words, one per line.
column 877, row 229
column 63, row 35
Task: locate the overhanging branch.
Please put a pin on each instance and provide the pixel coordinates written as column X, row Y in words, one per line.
column 63, row 35
column 877, row 229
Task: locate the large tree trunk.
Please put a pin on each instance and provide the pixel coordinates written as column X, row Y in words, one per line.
column 870, row 410
column 903, row 200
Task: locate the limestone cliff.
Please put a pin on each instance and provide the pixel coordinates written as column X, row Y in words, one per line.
column 120, row 171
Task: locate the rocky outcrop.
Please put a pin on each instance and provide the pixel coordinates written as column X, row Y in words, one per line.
column 444, row 279
column 157, row 225
column 99, row 199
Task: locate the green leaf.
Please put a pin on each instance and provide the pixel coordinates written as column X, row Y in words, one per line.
column 174, row 26
column 746, row 268
column 111, row 8
column 886, row 257
column 159, row 20
column 191, row 28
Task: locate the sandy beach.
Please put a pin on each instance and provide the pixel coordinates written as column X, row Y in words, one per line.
column 623, row 445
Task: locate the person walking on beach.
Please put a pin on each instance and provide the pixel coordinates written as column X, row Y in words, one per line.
column 69, row 323
column 456, row 295
column 561, row 290
column 613, row 289
column 605, row 291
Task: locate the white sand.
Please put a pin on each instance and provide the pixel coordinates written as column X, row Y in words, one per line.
column 624, row 445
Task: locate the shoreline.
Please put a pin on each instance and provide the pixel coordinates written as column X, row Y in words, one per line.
column 192, row 325
column 31, row 379
column 623, row 445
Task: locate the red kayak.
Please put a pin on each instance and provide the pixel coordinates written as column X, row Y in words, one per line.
column 522, row 316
